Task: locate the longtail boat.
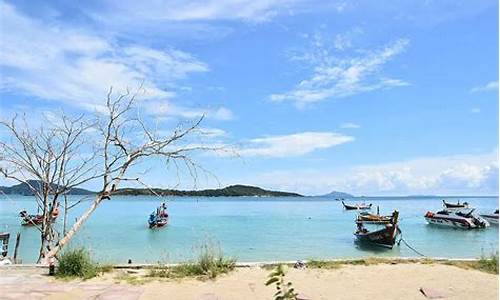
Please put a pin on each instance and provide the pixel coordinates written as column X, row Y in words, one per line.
column 457, row 219
column 369, row 218
column 357, row 206
column 159, row 217
column 455, row 205
column 385, row 237
column 32, row 220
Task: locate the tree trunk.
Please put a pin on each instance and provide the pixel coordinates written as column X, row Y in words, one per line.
column 65, row 221
column 69, row 235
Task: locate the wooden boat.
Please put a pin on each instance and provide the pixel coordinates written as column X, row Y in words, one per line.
column 491, row 218
column 369, row 218
column 458, row 219
column 158, row 218
column 357, row 206
column 385, row 237
column 455, row 205
column 30, row 220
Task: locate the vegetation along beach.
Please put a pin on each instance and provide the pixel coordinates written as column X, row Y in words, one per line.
column 233, row 149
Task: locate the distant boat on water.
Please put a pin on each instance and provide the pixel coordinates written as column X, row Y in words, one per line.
column 158, row 218
column 356, row 206
column 455, row 205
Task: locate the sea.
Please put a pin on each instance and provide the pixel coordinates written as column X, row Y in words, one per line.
column 250, row 229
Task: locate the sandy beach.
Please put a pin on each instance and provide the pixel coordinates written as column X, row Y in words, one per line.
column 381, row 281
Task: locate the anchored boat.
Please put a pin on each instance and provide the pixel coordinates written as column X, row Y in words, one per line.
column 356, row 206
column 491, row 218
column 455, row 205
column 458, row 219
column 158, row 218
column 369, row 218
column 385, row 237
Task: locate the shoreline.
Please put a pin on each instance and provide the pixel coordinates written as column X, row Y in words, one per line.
column 248, row 264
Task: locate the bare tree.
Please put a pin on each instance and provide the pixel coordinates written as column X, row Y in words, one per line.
column 54, row 157
column 48, row 160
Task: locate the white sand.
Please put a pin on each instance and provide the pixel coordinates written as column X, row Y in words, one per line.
column 383, row 281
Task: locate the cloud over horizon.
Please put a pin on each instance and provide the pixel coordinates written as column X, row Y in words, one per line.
column 292, row 144
column 443, row 175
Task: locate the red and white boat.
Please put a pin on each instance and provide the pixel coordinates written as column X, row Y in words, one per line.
column 457, row 219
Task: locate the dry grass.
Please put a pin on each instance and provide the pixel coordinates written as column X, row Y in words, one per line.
column 485, row 264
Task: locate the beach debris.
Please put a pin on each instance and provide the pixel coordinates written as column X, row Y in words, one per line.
column 299, row 265
column 431, row 293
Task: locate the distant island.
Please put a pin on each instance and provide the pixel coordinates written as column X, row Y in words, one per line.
column 336, row 194
column 25, row 190
column 230, row 191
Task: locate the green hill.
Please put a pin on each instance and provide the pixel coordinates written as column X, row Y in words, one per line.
column 25, row 190
column 230, row 191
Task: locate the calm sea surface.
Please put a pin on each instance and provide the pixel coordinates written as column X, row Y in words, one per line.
column 250, row 229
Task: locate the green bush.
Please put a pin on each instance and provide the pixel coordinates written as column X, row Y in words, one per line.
column 77, row 263
column 210, row 263
column 488, row 264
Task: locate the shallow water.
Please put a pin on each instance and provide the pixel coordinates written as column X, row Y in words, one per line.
column 251, row 229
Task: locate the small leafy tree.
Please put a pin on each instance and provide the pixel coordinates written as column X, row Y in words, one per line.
column 285, row 290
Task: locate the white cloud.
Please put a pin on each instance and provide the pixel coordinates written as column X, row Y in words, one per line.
column 349, row 125
column 475, row 110
column 490, row 86
column 168, row 109
column 207, row 10
column 78, row 67
column 343, row 41
column 337, row 78
column 444, row 175
column 293, row 145
column 213, row 132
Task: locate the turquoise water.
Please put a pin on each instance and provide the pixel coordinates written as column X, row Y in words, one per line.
column 251, row 229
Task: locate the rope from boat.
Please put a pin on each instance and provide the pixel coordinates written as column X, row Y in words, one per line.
column 401, row 239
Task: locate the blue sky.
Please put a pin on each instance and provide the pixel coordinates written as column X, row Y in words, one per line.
column 392, row 99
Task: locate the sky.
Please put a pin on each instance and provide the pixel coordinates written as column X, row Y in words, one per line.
column 314, row 96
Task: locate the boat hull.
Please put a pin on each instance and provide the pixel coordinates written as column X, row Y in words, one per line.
column 455, row 206
column 356, row 207
column 448, row 223
column 162, row 222
column 456, row 220
column 492, row 219
column 384, row 238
